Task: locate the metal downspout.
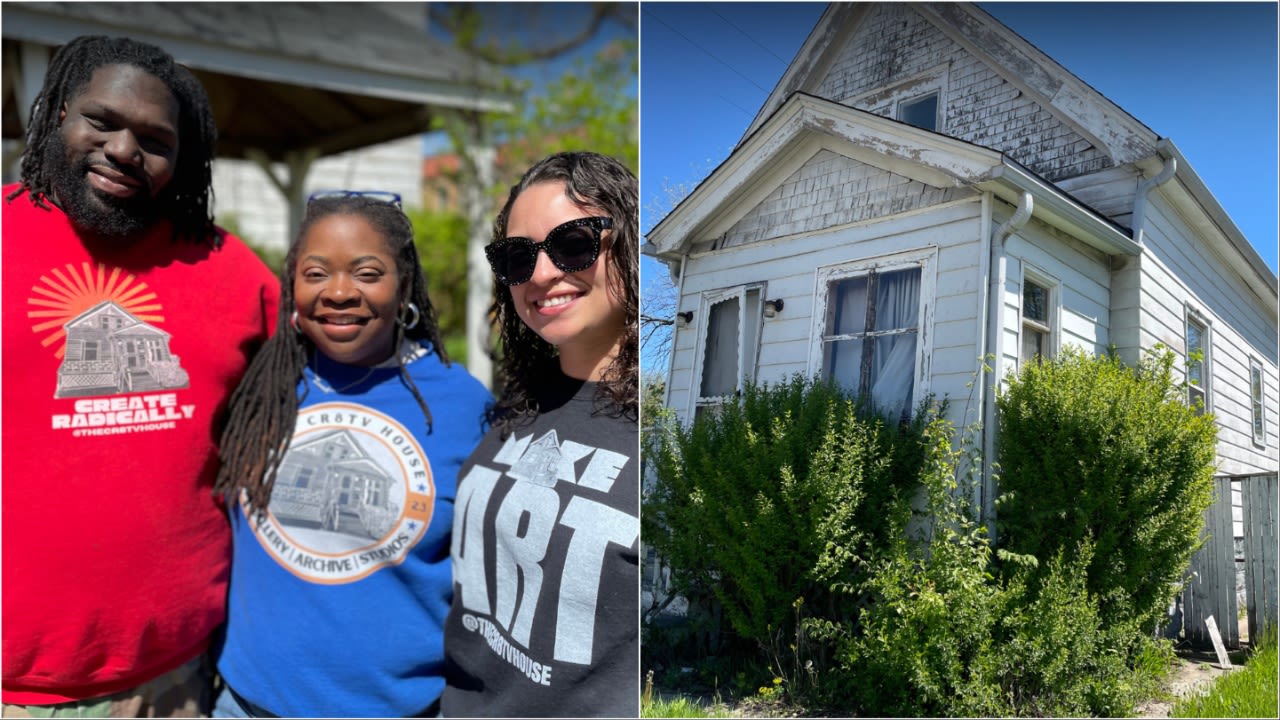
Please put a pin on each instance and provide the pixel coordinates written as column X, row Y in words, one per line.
column 1145, row 186
column 995, row 291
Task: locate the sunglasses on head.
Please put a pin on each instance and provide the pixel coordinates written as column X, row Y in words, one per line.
column 572, row 246
column 385, row 196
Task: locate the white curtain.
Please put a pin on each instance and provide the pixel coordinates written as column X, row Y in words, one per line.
column 893, row 357
column 847, row 313
column 720, row 363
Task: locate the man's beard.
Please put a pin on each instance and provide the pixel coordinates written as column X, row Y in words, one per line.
column 91, row 210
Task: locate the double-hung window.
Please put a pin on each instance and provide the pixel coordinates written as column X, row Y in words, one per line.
column 730, row 338
column 1197, row 363
column 1038, row 312
column 869, row 336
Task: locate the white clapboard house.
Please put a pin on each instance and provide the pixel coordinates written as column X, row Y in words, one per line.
column 924, row 188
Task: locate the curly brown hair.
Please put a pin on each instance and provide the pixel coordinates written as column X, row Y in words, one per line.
column 590, row 180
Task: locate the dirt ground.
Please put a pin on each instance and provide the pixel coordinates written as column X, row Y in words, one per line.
column 1193, row 674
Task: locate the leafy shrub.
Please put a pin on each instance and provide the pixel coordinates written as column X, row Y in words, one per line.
column 778, row 497
column 944, row 637
column 1092, row 451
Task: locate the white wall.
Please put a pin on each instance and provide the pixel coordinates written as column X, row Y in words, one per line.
column 1179, row 270
column 242, row 188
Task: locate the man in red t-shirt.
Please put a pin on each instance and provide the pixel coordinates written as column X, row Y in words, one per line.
column 128, row 320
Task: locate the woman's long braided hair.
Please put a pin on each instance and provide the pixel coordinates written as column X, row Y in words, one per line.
column 595, row 181
column 186, row 200
column 264, row 407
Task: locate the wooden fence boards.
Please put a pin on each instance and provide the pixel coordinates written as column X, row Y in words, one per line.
column 1211, row 587
column 1260, row 522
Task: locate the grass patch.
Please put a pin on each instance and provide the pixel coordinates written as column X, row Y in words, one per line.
column 1247, row 692
column 679, row 708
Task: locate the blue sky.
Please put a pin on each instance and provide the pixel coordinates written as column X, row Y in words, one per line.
column 1201, row 74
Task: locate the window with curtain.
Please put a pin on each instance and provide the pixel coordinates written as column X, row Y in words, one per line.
column 1035, row 322
column 729, row 344
column 1256, row 395
column 872, row 328
column 1197, row 362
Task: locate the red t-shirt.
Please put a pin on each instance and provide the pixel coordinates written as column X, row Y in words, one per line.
column 118, row 364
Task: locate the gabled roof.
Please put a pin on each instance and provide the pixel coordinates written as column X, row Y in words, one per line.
column 1126, row 140
column 806, row 124
column 1056, row 89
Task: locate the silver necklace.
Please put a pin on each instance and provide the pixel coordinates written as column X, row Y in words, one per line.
column 409, row 351
column 327, row 388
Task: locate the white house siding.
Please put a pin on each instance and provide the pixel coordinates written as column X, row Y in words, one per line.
column 897, row 54
column 951, row 232
column 1080, row 279
column 1110, row 192
column 242, row 188
column 829, row 190
column 1180, row 270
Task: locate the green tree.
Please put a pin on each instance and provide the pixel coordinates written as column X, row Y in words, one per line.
column 592, row 107
column 441, row 239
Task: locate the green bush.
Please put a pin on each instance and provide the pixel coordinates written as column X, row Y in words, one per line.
column 777, row 498
column 943, row 637
column 1093, row 451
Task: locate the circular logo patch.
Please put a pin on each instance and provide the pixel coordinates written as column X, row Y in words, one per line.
column 353, row 494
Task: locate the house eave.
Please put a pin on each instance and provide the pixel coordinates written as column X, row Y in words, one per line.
column 1059, row 210
column 806, row 123
column 1209, row 206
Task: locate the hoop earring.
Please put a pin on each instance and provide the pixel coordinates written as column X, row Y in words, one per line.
column 293, row 322
column 416, row 317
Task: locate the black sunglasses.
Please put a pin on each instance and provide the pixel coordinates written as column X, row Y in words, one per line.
column 572, row 246
column 385, row 196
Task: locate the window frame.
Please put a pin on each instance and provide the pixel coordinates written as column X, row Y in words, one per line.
column 747, row 356
column 1051, row 327
column 900, row 106
column 826, row 276
column 1258, row 402
column 1192, row 316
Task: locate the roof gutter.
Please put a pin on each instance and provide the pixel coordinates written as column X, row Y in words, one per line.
column 1009, row 181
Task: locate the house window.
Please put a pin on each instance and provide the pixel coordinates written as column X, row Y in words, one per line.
column 1036, row 331
column 90, row 351
column 729, row 341
column 870, row 333
column 1197, row 362
column 1256, row 395
column 303, row 478
column 921, row 112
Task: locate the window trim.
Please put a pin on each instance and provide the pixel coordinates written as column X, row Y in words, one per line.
column 1191, row 315
column 1258, row 405
column 824, row 276
column 1053, row 309
column 899, row 106
column 748, row 357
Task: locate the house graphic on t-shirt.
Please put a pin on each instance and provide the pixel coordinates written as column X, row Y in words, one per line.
column 109, row 351
column 331, row 480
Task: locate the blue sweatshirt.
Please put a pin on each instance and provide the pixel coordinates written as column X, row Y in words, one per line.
column 338, row 599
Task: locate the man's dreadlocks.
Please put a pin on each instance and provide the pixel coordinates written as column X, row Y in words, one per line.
column 186, row 199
